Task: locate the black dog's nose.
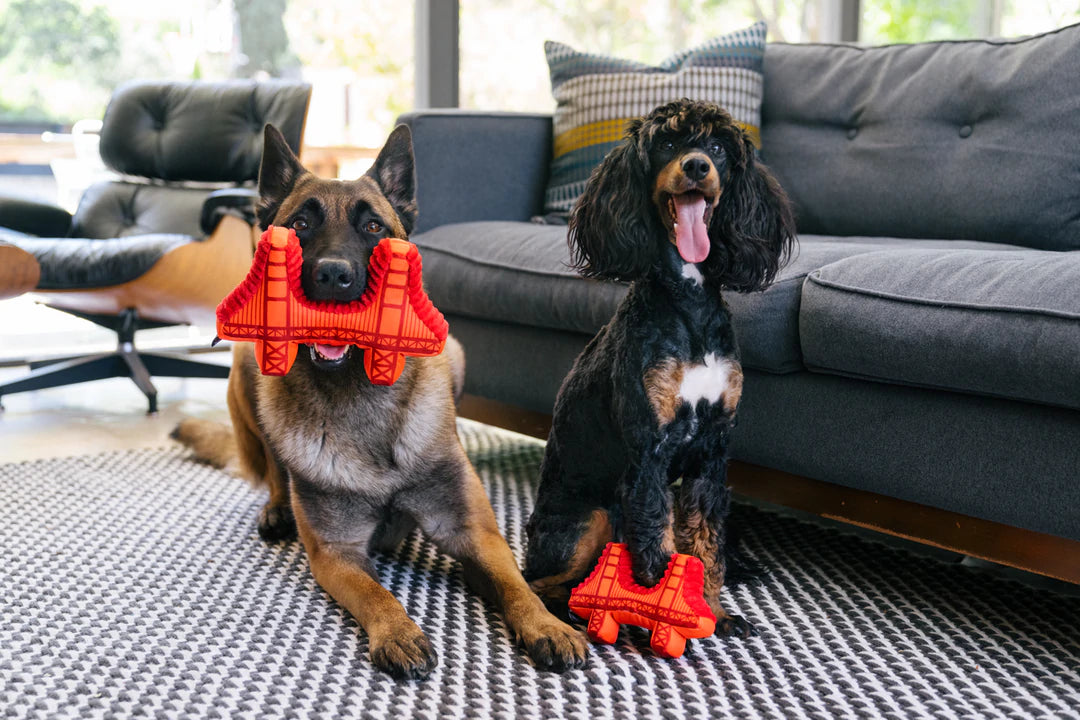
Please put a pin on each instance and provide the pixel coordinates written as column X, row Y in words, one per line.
column 334, row 275
column 696, row 168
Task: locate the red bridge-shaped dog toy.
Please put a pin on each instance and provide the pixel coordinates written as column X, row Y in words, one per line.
column 674, row 609
column 393, row 319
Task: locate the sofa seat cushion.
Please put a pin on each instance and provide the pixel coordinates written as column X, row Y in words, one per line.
column 519, row 273
column 767, row 322
column 999, row 323
column 515, row 272
column 80, row 263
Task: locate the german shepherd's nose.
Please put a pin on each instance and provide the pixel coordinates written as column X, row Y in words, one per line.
column 335, row 279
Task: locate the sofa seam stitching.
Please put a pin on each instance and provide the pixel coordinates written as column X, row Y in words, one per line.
column 952, row 305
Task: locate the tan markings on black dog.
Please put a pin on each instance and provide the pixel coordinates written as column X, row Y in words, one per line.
column 662, row 383
column 694, row 536
column 733, row 392
column 672, row 180
column 669, row 383
column 352, row 466
column 668, row 541
column 596, row 535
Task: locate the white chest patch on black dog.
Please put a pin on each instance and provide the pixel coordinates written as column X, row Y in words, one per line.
column 708, row 381
column 691, row 272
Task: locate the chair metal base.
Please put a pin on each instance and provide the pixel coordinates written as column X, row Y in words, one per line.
column 126, row 361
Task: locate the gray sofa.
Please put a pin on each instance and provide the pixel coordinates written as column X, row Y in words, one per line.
column 924, row 342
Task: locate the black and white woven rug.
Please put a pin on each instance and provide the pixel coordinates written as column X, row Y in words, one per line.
column 133, row 584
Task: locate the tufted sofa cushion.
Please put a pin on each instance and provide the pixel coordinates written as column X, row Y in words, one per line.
column 974, row 140
column 200, row 131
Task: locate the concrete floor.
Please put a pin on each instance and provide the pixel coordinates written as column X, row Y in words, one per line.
column 100, row 415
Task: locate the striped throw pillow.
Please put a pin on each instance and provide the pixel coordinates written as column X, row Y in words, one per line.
column 597, row 96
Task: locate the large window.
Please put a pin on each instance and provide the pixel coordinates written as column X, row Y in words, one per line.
column 502, row 56
column 61, row 59
column 903, row 21
column 502, row 41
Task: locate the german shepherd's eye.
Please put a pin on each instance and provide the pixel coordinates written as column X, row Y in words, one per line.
column 299, row 224
column 372, row 226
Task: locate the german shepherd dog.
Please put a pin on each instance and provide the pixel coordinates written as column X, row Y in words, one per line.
column 352, row 466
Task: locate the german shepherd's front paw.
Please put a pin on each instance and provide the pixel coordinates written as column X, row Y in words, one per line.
column 276, row 522
column 554, row 645
column 404, row 652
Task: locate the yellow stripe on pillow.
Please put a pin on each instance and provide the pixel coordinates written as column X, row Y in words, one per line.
column 591, row 134
column 613, row 130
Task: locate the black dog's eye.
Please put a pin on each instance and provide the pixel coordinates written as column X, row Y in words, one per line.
column 715, row 148
column 372, row 226
column 299, row 224
column 667, row 145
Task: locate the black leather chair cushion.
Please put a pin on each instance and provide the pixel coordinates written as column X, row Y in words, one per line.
column 210, row 132
column 118, row 209
column 79, row 263
column 34, row 218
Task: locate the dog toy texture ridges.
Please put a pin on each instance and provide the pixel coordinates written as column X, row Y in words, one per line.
column 393, row 319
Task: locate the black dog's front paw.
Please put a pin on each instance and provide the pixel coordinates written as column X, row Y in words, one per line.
column 276, row 522
column 735, row 626
column 649, row 567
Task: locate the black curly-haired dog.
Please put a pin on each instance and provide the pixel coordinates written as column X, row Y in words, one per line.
column 683, row 210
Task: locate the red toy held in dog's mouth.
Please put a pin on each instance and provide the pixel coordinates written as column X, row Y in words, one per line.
column 392, row 320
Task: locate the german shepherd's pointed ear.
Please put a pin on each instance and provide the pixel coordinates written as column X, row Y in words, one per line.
column 277, row 174
column 394, row 170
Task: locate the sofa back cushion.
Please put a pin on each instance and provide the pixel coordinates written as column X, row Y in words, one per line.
column 978, row 140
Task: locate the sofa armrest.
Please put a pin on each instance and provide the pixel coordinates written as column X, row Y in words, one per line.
column 479, row 165
column 34, row 218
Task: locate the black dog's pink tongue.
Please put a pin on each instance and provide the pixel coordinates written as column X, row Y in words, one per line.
column 691, row 235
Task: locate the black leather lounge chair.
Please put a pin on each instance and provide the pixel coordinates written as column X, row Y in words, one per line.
column 163, row 244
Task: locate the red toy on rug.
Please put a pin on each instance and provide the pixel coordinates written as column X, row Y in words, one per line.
column 392, row 320
column 674, row 609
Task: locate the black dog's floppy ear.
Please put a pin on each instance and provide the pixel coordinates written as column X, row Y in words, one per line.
column 394, row 171
column 611, row 231
column 277, row 174
column 753, row 229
